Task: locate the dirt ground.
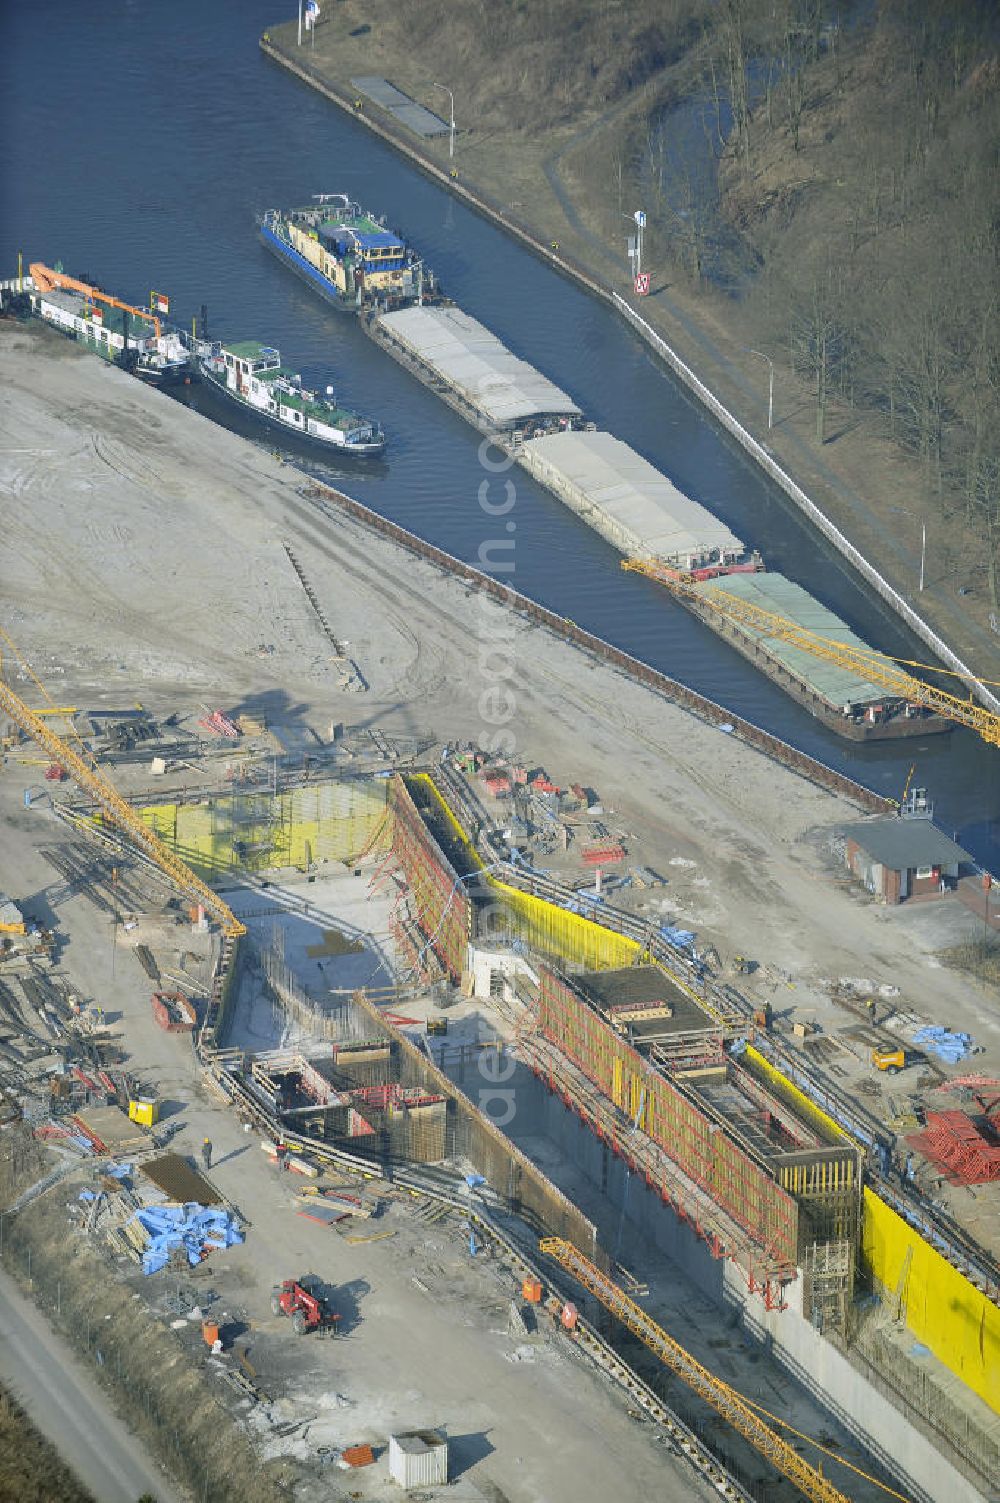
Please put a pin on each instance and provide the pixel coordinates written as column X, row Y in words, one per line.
column 565, row 184
column 144, row 562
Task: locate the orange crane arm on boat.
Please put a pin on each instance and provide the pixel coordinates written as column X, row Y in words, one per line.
column 47, row 280
column 888, row 673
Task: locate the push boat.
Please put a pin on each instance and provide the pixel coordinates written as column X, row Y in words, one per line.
column 347, row 255
column 253, row 375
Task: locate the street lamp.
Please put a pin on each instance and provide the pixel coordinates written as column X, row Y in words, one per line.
column 770, row 386
column 451, row 123
column 923, row 539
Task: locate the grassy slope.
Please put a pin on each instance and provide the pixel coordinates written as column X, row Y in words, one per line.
column 31, row 1471
column 554, row 102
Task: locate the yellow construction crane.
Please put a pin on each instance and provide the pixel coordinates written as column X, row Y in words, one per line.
column 732, row 1406
column 887, row 673
column 119, row 812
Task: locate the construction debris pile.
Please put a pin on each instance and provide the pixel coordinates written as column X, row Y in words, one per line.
column 195, row 1229
column 949, row 1047
column 140, row 1216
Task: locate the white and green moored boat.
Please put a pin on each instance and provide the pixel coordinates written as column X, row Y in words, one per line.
column 252, row 374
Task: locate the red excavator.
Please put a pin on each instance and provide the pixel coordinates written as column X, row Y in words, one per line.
column 305, row 1301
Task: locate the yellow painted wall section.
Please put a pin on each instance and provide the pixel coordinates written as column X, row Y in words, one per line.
column 943, row 1310
column 564, row 935
column 785, row 1090
column 426, row 781
column 553, row 930
column 302, row 827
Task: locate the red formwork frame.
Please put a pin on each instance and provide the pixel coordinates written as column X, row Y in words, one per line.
column 696, row 1144
column 956, row 1143
column 441, row 908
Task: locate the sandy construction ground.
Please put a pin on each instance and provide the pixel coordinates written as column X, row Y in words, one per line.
column 143, row 560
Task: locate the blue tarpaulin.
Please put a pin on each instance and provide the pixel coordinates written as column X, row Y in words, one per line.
column 194, row 1227
column 681, row 939
column 948, row 1046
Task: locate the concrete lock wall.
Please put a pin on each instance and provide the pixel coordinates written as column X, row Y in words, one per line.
column 959, row 1323
column 809, row 1356
column 824, row 1368
column 440, row 906
column 688, row 1136
column 301, row 827
column 479, row 1116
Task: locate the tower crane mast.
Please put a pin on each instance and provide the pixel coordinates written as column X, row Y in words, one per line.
column 120, row 813
column 872, row 666
column 723, row 1399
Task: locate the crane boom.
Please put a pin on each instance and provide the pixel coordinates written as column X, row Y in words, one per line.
column 872, row 666
column 723, row 1399
column 47, row 280
column 119, row 812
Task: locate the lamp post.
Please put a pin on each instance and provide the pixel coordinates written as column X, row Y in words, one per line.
column 770, row 386
column 451, row 123
column 923, row 539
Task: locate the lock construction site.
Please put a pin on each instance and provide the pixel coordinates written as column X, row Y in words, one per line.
column 460, row 1059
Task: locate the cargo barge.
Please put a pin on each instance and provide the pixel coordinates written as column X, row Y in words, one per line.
column 468, row 367
column 634, row 507
column 840, row 698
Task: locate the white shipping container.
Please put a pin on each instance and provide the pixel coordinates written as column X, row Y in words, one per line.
column 419, row 1458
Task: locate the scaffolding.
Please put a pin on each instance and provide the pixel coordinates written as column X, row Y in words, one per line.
column 693, row 1203
column 828, row 1284
column 781, row 1181
column 666, row 1111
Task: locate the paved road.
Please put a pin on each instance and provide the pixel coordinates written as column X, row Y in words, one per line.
column 70, row 1408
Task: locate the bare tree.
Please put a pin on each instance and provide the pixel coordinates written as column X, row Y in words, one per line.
column 821, row 340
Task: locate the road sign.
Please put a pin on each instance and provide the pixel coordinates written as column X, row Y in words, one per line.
column 642, row 284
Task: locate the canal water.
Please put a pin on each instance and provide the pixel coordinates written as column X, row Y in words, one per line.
column 142, row 141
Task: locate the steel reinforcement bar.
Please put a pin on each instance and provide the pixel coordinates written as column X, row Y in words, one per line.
column 670, row 688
